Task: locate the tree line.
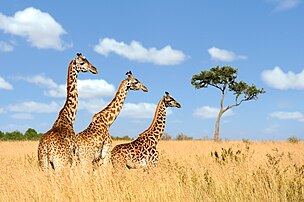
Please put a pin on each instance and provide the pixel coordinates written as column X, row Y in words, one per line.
column 32, row 135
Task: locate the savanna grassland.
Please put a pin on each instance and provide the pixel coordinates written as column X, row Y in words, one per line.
column 187, row 171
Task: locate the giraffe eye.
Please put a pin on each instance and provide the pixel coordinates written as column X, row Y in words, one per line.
column 81, row 63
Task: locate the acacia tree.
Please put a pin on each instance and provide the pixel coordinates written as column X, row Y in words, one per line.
column 223, row 78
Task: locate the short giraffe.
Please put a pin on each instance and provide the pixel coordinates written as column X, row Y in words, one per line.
column 142, row 152
column 95, row 141
column 57, row 147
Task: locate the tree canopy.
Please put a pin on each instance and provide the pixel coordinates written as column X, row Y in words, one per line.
column 224, row 79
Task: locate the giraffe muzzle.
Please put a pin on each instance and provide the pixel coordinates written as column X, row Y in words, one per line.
column 94, row 70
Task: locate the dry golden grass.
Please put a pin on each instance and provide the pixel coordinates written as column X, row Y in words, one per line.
column 242, row 171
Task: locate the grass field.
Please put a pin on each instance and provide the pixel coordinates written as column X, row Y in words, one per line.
column 187, row 171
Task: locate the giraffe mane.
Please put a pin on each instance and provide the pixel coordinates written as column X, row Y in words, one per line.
column 154, row 119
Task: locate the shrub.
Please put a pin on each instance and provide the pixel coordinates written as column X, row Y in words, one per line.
column 121, row 138
column 166, row 136
column 182, row 136
column 293, row 139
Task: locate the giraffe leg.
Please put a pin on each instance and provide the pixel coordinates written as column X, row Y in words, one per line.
column 105, row 155
column 43, row 156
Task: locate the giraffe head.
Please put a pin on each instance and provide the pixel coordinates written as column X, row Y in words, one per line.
column 83, row 65
column 134, row 84
column 170, row 102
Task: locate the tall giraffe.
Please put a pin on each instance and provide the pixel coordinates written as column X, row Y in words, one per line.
column 57, row 147
column 142, row 152
column 95, row 141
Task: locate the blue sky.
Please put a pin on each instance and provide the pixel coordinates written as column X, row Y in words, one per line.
column 163, row 43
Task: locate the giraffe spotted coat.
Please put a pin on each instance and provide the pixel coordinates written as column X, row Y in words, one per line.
column 142, row 152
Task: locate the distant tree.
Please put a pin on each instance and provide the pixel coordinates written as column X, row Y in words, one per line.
column 223, row 78
column 182, row 136
column 121, row 138
column 31, row 134
column 1, row 134
column 15, row 135
column 166, row 136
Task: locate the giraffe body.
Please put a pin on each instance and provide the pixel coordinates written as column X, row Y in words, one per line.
column 142, row 152
column 95, row 141
column 57, row 147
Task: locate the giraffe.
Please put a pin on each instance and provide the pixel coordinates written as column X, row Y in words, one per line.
column 142, row 152
column 94, row 142
column 56, row 148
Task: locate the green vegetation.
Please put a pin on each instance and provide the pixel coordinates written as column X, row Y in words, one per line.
column 121, row 138
column 293, row 139
column 30, row 134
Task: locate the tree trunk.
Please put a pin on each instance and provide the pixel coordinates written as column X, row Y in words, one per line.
column 218, row 119
column 217, row 126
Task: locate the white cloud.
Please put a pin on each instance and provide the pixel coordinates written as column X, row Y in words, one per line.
column 271, row 129
column 39, row 28
column 277, row 79
column 95, row 88
column 6, row 47
column 136, row 51
column 141, row 110
column 34, row 107
column 2, row 111
column 282, row 5
column 92, row 105
column 207, row 112
column 5, row 85
column 297, row 116
column 90, row 88
column 23, row 116
column 224, row 55
column 40, row 80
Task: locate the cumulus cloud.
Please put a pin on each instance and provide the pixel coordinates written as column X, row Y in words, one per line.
column 278, row 79
column 297, row 116
column 5, row 85
column 207, row 112
column 271, row 129
column 140, row 110
column 224, row 55
column 34, row 107
column 282, row 5
column 2, row 111
column 39, row 28
column 92, row 105
column 89, row 88
column 6, row 47
column 95, row 88
column 137, row 52
column 23, row 116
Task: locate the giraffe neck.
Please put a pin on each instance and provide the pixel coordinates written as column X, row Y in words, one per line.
column 154, row 133
column 108, row 115
column 68, row 113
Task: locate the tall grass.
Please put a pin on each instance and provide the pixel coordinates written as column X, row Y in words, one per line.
column 187, row 171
